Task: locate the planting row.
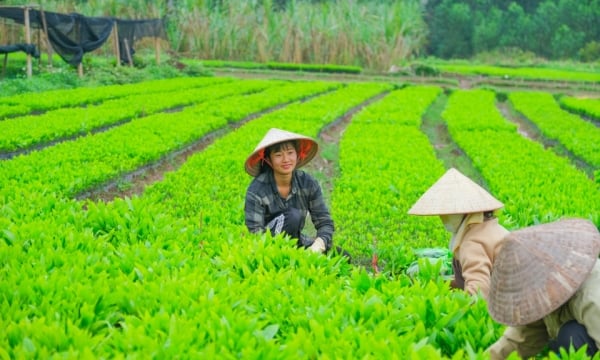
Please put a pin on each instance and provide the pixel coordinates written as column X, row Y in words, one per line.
column 25, row 103
column 583, row 106
column 535, row 184
column 382, row 174
column 23, row 132
column 579, row 137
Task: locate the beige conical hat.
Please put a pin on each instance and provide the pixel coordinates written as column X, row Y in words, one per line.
column 454, row 193
column 308, row 149
column 539, row 268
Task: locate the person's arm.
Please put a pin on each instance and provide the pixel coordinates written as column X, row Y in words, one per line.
column 527, row 341
column 254, row 213
column 585, row 305
column 476, row 267
column 320, row 216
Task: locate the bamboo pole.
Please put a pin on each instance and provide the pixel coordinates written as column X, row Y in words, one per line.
column 28, row 41
column 48, row 45
column 157, row 50
column 5, row 64
column 128, row 53
column 116, row 43
column 39, row 45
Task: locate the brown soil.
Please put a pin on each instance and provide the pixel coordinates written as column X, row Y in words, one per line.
column 525, row 127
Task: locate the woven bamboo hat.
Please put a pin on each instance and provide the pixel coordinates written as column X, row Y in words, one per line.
column 454, row 193
column 307, row 150
column 539, row 268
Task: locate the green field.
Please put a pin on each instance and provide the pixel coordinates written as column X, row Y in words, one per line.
column 121, row 211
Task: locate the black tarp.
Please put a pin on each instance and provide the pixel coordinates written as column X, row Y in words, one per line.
column 133, row 30
column 29, row 49
column 73, row 35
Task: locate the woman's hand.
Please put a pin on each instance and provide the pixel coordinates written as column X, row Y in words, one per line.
column 318, row 245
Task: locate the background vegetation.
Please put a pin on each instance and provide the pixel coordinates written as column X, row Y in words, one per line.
column 367, row 33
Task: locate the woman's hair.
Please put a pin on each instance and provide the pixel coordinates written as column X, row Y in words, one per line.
column 278, row 147
column 489, row 215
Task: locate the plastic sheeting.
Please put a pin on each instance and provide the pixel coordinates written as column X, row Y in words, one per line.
column 29, row 49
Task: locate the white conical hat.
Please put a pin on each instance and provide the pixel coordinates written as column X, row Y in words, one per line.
column 308, row 149
column 539, row 268
column 454, row 193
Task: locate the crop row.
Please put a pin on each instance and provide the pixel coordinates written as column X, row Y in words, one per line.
column 583, row 106
column 55, row 99
column 543, row 74
column 579, row 137
column 382, row 174
column 535, row 184
column 23, row 132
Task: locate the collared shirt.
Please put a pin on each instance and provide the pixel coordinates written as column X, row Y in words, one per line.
column 263, row 203
column 479, row 245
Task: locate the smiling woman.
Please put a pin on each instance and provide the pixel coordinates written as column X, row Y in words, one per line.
column 280, row 197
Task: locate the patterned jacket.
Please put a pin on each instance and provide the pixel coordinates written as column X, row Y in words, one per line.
column 263, row 203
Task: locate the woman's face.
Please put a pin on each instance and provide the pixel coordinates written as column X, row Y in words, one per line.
column 284, row 159
column 452, row 222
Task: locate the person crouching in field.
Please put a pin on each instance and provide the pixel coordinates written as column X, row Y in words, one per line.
column 467, row 212
column 545, row 286
column 280, row 196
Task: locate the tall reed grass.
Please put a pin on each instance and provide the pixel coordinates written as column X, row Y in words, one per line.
column 372, row 34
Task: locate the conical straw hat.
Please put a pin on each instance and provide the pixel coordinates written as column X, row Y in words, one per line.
column 539, row 268
column 308, row 149
column 454, row 193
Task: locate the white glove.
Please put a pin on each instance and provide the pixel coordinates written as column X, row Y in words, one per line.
column 318, row 245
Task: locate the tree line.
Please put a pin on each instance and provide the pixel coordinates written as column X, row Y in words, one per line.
column 553, row 29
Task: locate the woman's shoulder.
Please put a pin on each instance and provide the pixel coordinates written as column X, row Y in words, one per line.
column 488, row 232
column 261, row 181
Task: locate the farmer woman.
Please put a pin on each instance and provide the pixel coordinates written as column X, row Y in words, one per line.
column 467, row 212
column 546, row 287
column 280, row 196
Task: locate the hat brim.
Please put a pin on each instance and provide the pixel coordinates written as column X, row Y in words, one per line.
column 307, row 149
column 539, row 268
column 454, row 193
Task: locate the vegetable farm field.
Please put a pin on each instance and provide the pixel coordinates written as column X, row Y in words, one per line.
column 122, row 226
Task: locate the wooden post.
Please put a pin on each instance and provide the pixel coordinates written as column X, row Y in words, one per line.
column 80, row 69
column 157, row 50
column 39, row 45
column 5, row 64
column 128, row 53
column 45, row 26
column 116, row 42
column 28, row 40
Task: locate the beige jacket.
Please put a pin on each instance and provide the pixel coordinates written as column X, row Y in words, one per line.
column 528, row 340
column 476, row 252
